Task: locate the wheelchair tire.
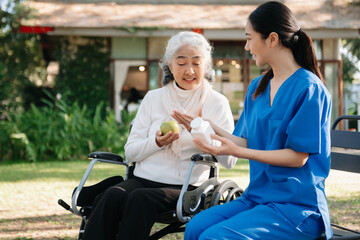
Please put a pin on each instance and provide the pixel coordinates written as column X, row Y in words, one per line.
column 207, row 202
column 227, row 191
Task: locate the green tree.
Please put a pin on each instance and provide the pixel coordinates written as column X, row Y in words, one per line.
column 83, row 73
column 353, row 45
column 21, row 62
column 349, row 69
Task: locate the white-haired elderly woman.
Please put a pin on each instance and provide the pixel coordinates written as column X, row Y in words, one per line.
column 162, row 161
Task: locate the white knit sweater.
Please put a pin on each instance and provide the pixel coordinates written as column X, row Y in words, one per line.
column 160, row 164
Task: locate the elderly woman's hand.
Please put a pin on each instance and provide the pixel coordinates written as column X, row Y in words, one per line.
column 185, row 119
column 166, row 139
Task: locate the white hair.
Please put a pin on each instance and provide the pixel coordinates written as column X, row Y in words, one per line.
column 187, row 38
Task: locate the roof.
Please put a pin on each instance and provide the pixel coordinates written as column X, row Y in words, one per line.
column 316, row 14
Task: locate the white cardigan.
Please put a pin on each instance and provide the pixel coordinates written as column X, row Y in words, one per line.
column 161, row 164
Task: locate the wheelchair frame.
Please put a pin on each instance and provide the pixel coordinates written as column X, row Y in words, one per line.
column 194, row 201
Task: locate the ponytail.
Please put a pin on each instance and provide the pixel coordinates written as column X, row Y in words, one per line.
column 304, row 53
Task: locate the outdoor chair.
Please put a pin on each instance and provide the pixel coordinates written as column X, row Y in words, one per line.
column 345, row 156
column 208, row 194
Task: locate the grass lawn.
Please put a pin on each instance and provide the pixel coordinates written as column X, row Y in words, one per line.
column 29, row 194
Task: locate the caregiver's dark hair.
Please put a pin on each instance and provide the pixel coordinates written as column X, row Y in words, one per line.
column 276, row 17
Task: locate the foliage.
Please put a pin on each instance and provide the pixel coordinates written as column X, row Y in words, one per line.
column 349, row 65
column 21, row 62
column 83, row 67
column 83, row 72
column 349, row 69
column 353, row 45
column 53, row 129
column 61, row 131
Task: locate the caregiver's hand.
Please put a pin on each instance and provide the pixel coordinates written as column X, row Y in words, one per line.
column 227, row 146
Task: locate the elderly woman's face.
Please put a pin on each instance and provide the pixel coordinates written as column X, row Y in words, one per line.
column 188, row 67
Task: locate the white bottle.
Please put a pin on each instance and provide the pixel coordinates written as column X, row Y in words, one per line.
column 202, row 129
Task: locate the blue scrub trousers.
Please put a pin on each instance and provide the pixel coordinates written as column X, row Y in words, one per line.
column 243, row 220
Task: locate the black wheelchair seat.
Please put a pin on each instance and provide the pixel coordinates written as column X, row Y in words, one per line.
column 88, row 194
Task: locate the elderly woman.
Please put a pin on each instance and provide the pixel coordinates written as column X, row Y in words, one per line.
column 161, row 160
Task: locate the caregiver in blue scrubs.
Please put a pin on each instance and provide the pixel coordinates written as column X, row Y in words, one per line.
column 284, row 131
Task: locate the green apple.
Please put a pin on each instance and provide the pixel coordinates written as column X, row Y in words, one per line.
column 168, row 126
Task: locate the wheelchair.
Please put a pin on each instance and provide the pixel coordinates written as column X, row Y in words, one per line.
column 210, row 193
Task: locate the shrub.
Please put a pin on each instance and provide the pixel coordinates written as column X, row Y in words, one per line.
column 61, row 131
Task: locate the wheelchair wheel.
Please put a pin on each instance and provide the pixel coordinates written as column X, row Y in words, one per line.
column 208, row 198
column 225, row 192
column 199, row 199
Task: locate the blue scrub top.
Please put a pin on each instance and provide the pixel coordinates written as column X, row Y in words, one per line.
column 299, row 119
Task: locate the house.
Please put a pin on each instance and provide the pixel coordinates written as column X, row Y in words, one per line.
column 136, row 33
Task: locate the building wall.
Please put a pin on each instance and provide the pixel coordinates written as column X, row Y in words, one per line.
column 128, row 48
column 156, row 47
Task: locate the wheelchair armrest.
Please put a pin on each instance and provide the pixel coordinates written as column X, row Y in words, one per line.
column 204, row 158
column 106, row 155
column 201, row 158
